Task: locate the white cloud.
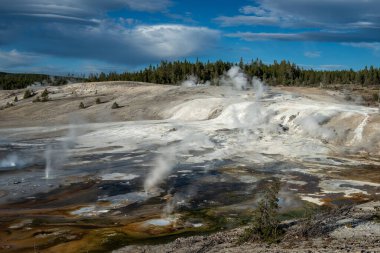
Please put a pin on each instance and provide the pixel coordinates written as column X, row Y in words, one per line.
column 114, row 43
column 258, row 11
column 14, row 58
column 264, row 36
column 80, row 8
column 324, row 14
column 81, row 29
column 332, row 67
column 322, row 36
column 373, row 46
column 246, row 20
column 324, row 20
column 312, row 54
column 171, row 41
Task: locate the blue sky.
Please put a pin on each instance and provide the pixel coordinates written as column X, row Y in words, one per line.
column 88, row 36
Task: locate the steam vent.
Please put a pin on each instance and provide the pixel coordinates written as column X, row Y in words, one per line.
column 167, row 126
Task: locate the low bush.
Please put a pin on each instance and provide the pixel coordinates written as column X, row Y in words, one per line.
column 265, row 224
column 375, row 97
column 115, row 106
column 45, row 93
column 28, row 93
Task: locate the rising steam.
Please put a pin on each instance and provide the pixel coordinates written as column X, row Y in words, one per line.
column 236, row 78
column 258, row 87
column 15, row 161
column 169, row 156
column 55, row 157
column 164, row 164
column 9, row 161
column 193, row 81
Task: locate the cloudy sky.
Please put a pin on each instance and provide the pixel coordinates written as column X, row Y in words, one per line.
column 88, row 36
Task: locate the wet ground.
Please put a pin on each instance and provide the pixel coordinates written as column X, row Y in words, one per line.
column 97, row 202
column 100, row 186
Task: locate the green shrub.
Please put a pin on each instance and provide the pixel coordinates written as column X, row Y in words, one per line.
column 16, row 99
column 45, row 96
column 375, row 97
column 28, row 93
column 265, row 223
column 39, row 99
column 45, row 93
column 81, row 105
column 115, row 106
column 97, row 101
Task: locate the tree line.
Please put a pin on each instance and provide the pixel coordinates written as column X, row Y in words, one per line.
column 10, row 81
column 278, row 73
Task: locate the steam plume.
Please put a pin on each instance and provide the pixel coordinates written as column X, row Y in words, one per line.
column 164, row 165
column 235, row 77
column 56, row 157
column 192, row 81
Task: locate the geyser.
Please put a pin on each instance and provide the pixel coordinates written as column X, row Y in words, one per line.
column 235, row 77
column 48, row 159
column 56, row 157
column 164, row 164
column 193, row 81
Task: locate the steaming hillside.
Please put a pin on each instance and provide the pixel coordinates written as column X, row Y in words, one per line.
column 170, row 153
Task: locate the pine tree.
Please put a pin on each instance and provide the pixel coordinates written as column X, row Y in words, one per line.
column 265, row 225
column 45, row 96
column 115, row 106
column 28, row 94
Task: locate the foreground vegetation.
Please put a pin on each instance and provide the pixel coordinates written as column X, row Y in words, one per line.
column 265, row 223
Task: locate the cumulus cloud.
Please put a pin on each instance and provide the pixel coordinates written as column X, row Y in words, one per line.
column 332, row 67
column 117, row 44
column 82, row 29
column 325, row 67
column 173, row 40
